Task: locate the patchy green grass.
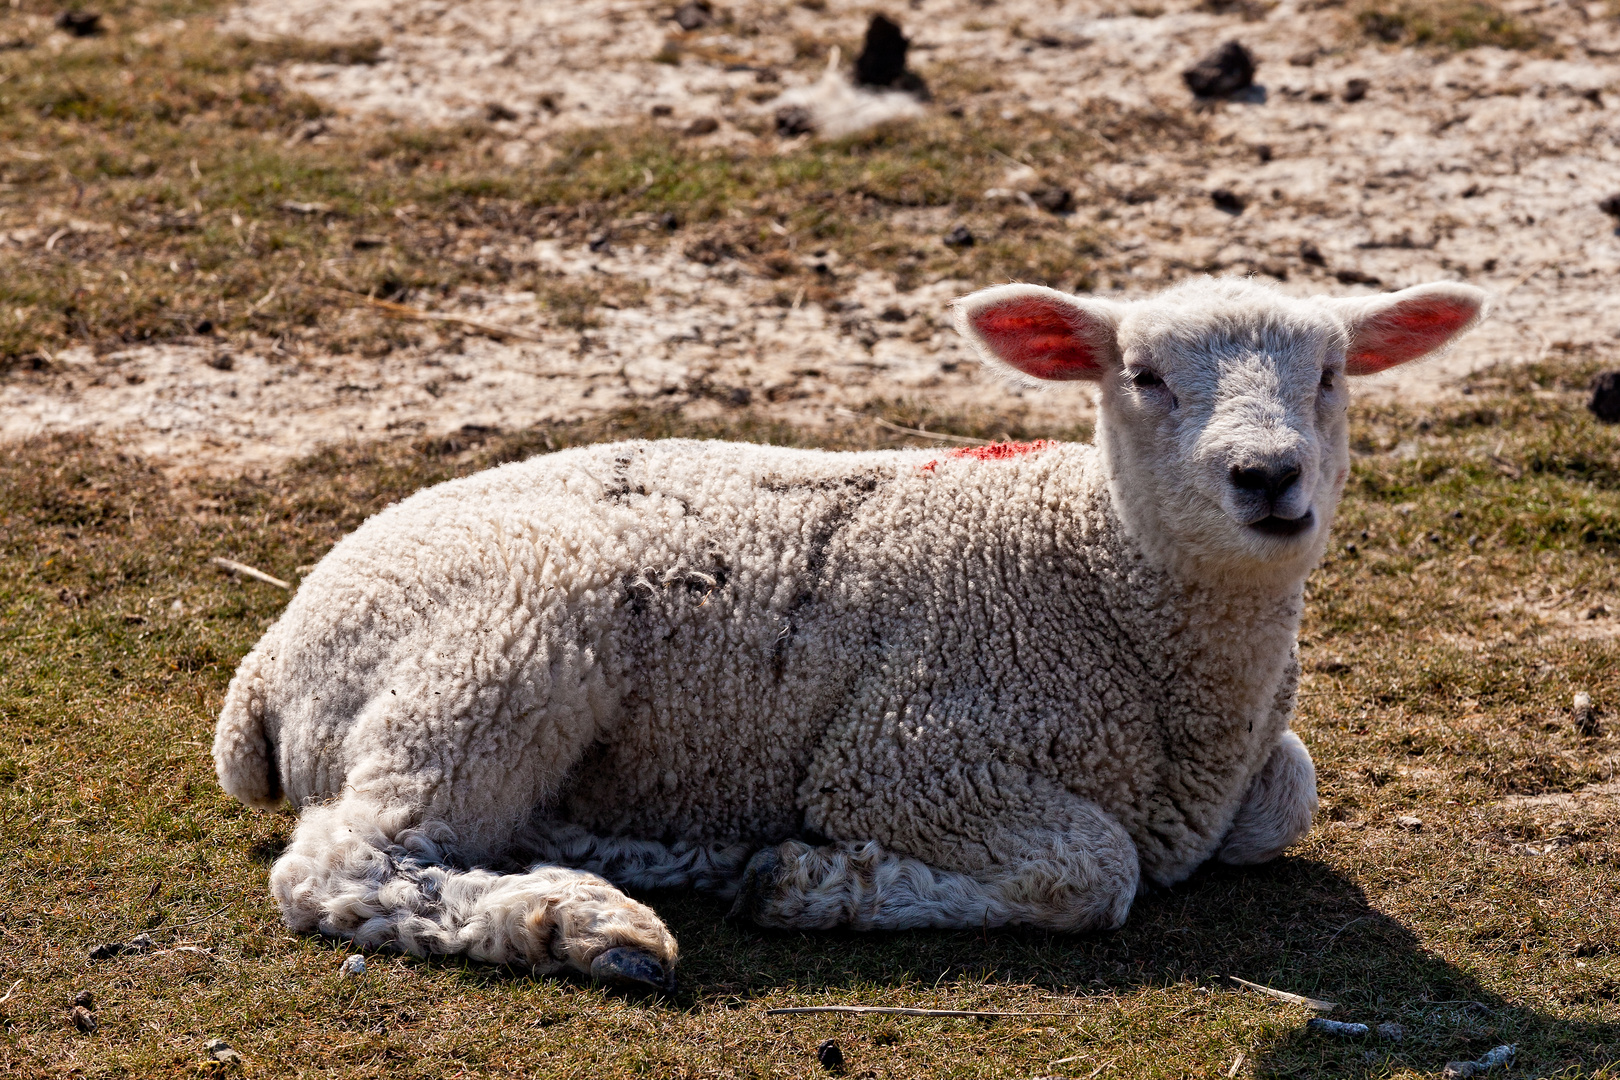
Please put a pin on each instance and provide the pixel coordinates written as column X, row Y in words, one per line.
column 158, row 183
column 1439, row 675
column 1444, row 24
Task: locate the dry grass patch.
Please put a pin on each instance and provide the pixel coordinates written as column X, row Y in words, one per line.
column 158, row 183
column 1431, row 692
column 1444, row 24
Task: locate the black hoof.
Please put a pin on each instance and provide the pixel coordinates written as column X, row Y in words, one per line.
column 632, row 969
column 758, row 883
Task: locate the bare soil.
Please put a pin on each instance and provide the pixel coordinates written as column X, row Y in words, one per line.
column 1481, row 164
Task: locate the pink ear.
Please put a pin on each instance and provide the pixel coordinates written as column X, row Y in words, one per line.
column 1392, row 329
column 1041, row 332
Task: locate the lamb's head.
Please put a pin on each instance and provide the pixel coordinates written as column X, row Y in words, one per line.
column 1221, row 402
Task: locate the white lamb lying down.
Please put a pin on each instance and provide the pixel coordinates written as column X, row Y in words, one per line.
column 894, row 689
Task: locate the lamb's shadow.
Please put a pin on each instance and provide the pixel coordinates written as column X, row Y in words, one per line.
column 1295, row 924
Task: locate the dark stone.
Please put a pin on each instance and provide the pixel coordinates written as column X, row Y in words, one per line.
column 1227, row 201
column 669, row 221
column 205, row 327
column 1611, row 205
column 84, row 1020
column 960, row 237
column 80, row 23
column 1223, row 72
column 107, row 951
column 1356, row 277
column 1311, row 253
column 703, row 125
column 495, row 111
column 1605, row 402
column 830, row 1056
column 85, row 999
column 883, row 57
column 694, row 15
column 794, row 120
column 1356, row 89
column 600, row 243
column 367, row 243
column 663, row 110
column 1054, row 200
column 1263, row 152
column 221, row 362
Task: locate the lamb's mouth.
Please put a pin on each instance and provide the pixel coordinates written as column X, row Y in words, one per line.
column 1273, row 525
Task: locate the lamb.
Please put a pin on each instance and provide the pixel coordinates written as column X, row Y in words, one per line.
column 885, row 690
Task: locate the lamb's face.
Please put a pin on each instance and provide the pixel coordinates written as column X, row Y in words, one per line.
column 1225, row 429
column 1222, row 416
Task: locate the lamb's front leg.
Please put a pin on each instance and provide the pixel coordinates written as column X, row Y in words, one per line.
column 383, row 875
column 1277, row 809
column 1079, row 872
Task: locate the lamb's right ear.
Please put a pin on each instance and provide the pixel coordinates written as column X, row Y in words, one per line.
column 1041, row 332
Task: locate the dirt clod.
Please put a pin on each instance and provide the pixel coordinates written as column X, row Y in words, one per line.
column 794, row 120
column 85, row 999
column 1605, row 400
column 703, row 125
column 1310, row 253
column 1356, row 90
column 1054, row 199
column 80, row 23
column 1409, row 823
column 960, row 237
column 1611, row 205
column 84, row 1020
column 1223, row 72
column 220, row 1051
column 107, row 951
column 830, row 1056
column 1227, row 201
column 694, row 15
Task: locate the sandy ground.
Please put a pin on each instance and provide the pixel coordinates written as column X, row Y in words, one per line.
column 1485, row 166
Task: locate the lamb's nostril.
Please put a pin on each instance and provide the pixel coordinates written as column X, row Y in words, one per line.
column 1272, row 481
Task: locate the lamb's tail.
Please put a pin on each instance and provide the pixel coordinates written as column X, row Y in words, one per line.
column 243, row 754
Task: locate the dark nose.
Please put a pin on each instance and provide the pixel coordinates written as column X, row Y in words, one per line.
column 1272, row 481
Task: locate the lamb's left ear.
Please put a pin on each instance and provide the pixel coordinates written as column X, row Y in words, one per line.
column 1396, row 327
column 1041, row 332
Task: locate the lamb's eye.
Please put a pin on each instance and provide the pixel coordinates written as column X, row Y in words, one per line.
column 1328, row 380
column 1142, row 377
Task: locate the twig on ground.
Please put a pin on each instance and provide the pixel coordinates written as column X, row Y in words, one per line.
column 406, row 311
column 882, row 423
column 245, row 570
column 1236, row 1065
column 13, row 990
column 1283, row 995
column 883, row 1010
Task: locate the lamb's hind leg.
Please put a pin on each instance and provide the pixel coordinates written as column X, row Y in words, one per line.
column 1277, row 809
column 382, row 876
column 1079, row 874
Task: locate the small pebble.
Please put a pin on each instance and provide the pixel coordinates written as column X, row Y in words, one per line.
column 1391, row 1031
column 1356, row 89
column 960, row 237
column 1458, row 1070
column 139, row 943
column 219, row 1050
column 1322, row 1026
column 703, row 125
column 84, row 1020
column 85, row 998
column 353, row 967
column 830, row 1056
column 694, row 15
column 107, row 951
column 1311, row 253
column 1229, row 201
column 1585, row 721
column 1409, row 823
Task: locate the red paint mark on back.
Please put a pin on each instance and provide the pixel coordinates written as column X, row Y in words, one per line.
column 1002, row 451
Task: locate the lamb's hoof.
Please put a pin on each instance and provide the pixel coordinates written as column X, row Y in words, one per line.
column 758, row 884
column 632, row 969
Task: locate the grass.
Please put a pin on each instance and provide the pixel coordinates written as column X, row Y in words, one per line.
column 168, row 166
column 1444, row 24
column 1437, row 685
